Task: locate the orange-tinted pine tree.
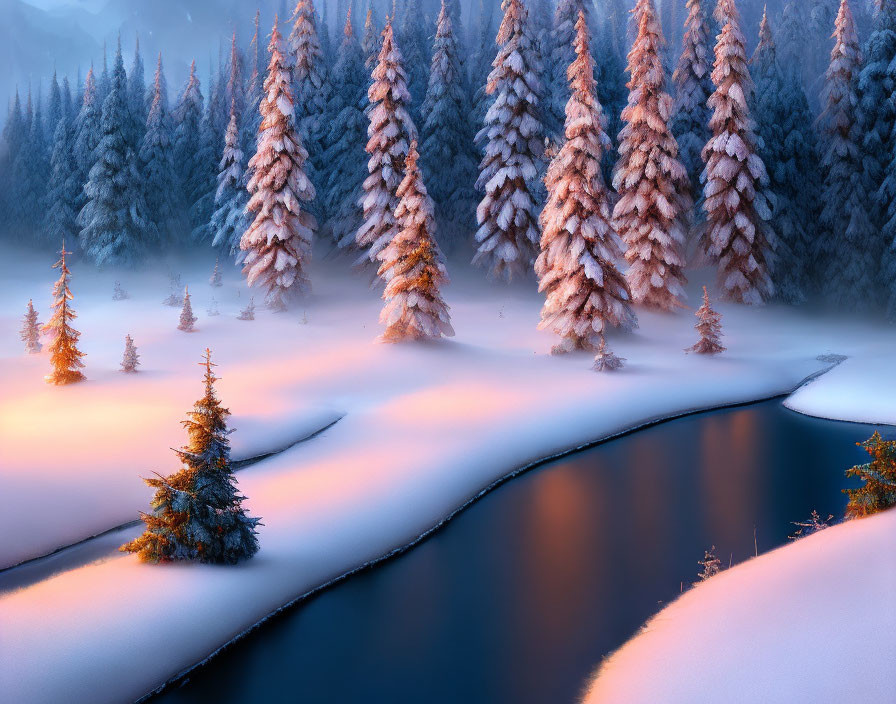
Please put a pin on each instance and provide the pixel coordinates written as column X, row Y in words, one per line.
column 654, row 205
column 64, row 353
column 878, row 491
column 413, row 267
column 579, row 246
column 197, row 511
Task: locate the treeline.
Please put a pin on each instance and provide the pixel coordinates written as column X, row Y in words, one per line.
column 791, row 205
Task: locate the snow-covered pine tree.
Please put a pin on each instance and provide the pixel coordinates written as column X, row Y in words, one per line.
column 413, row 267
column 215, row 279
column 370, row 42
column 11, row 141
column 562, row 55
column 311, row 91
column 64, row 353
column 415, row 50
column 187, row 319
column 118, row 293
column 605, row 360
column 693, row 86
column 204, row 184
column 481, row 65
column 709, row 325
column 115, row 225
column 254, row 92
column 654, row 206
column 278, row 242
column 61, row 209
column 878, row 491
column 229, row 221
column 136, row 100
column 30, row 176
column 737, row 235
column 508, row 231
column 347, row 132
column 68, row 110
column 234, row 91
column 577, row 271
column 389, row 133
column 87, row 137
column 188, row 120
column 160, row 181
column 447, row 151
column 848, row 265
column 197, row 511
column 30, row 331
column 248, row 313
column 131, row 360
column 876, row 115
column 788, row 150
column 711, row 564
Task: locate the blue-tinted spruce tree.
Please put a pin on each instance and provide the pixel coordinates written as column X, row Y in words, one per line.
column 508, row 233
column 104, row 85
column 788, row 150
column 560, row 58
column 849, row 265
column 204, row 184
column 311, row 88
column 13, row 139
column 448, row 153
column 87, row 136
column 63, row 188
column 481, row 65
column 254, row 91
column 415, row 48
column 584, row 291
column 137, row 99
column 654, row 207
column 229, row 221
column 737, row 235
column 693, row 86
column 235, row 90
column 277, row 244
column 370, row 43
column 197, row 512
column 192, row 144
column 54, row 110
column 68, row 109
column 345, row 153
column 160, row 183
column 29, row 185
column 115, row 224
column 876, row 114
column 389, row 133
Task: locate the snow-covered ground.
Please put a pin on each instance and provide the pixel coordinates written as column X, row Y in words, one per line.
column 426, row 428
column 813, row 621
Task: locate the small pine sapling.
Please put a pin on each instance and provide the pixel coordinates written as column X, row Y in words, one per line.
column 197, row 512
column 215, row 280
column 131, row 359
column 248, row 313
column 709, row 325
column 30, row 332
column 711, row 564
column 605, row 360
column 174, row 297
column 64, row 353
column 212, row 310
column 878, row 491
column 187, row 319
column 118, row 293
column 813, row 525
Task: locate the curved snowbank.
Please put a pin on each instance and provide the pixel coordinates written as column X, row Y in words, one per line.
column 813, row 621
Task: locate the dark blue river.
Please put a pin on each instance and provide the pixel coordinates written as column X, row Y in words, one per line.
column 520, row 597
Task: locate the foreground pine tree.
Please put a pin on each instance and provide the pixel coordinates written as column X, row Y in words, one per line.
column 654, row 204
column 30, row 331
column 878, row 491
column 278, row 242
column 737, row 235
column 413, row 267
column 709, row 325
column 508, row 233
column 197, row 511
column 389, row 134
column 131, row 359
column 579, row 246
column 847, row 264
column 693, row 86
column 64, row 353
column 187, row 319
column 605, row 360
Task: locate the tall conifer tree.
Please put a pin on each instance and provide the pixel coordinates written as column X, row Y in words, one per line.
column 64, row 353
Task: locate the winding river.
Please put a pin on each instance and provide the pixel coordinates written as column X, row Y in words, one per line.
column 520, row 597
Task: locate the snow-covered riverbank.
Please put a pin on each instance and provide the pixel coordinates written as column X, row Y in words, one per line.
column 427, row 427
